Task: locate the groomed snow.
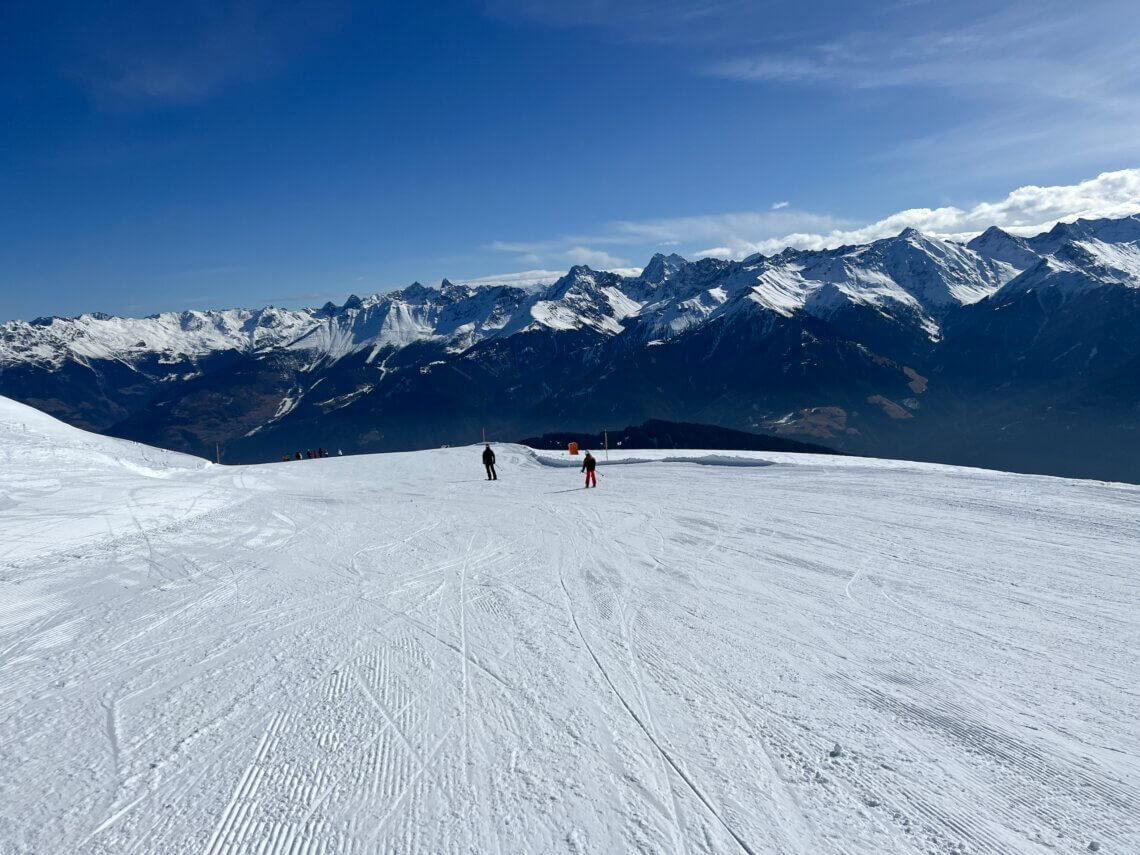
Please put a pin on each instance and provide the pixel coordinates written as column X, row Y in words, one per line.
column 388, row 653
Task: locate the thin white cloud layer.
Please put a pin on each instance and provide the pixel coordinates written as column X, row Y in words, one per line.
column 1030, row 84
column 533, row 279
column 1053, row 50
column 596, row 258
column 726, row 228
column 729, row 234
column 1027, row 210
column 521, row 279
column 714, row 252
column 1021, row 86
column 150, row 58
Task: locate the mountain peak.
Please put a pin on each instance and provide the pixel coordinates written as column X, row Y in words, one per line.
column 1118, row 230
column 993, row 233
column 999, row 245
column 661, row 267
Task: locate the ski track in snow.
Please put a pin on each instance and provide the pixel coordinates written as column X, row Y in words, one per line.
column 389, row 654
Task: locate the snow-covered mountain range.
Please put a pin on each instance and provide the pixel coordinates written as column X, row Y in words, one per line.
column 910, row 272
column 841, row 345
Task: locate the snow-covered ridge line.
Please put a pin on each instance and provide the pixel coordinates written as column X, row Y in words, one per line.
column 912, row 275
column 168, row 337
column 35, row 438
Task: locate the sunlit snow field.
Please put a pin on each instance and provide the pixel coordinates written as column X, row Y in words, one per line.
column 389, row 654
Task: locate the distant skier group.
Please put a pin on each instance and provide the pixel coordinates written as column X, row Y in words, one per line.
column 308, row 454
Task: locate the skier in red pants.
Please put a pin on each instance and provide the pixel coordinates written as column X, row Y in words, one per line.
column 588, row 466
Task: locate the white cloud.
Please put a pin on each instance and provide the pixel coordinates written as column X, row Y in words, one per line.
column 526, row 247
column 778, row 205
column 520, row 279
column 736, row 229
column 1051, row 50
column 568, row 249
column 993, row 89
column 728, row 228
column 533, row 279
column 1027, row 210
column 595, row 258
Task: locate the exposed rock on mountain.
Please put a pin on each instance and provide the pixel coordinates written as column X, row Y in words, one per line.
column 1006, row 351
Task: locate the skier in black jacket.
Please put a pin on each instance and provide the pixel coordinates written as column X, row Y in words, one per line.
column 489, row 462
column 588, row 466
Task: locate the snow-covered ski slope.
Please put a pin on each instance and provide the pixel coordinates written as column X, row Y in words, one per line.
column 389, row 654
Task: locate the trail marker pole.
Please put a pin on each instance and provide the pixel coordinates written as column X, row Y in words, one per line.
column 606, row 435
column 218, row 452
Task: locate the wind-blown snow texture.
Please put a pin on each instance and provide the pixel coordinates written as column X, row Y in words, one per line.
column 388, row 653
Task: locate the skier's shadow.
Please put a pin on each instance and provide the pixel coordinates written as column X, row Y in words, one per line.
column 574, row 490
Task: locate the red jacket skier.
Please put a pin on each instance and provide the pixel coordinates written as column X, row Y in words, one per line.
column 588, row 466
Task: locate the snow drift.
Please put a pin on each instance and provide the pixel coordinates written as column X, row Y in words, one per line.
column 31, row 439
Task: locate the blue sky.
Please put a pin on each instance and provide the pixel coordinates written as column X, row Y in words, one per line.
column 246, row 153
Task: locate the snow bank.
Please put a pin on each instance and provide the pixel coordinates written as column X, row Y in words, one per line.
column 30, row 438
column 710, row 458
column 61, row 487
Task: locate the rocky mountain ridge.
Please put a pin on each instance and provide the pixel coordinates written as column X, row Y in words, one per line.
column 909, row 345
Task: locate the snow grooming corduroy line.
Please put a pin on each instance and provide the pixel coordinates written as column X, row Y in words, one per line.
column 665, row 755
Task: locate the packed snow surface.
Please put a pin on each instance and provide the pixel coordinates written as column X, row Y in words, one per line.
column 389, row 653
